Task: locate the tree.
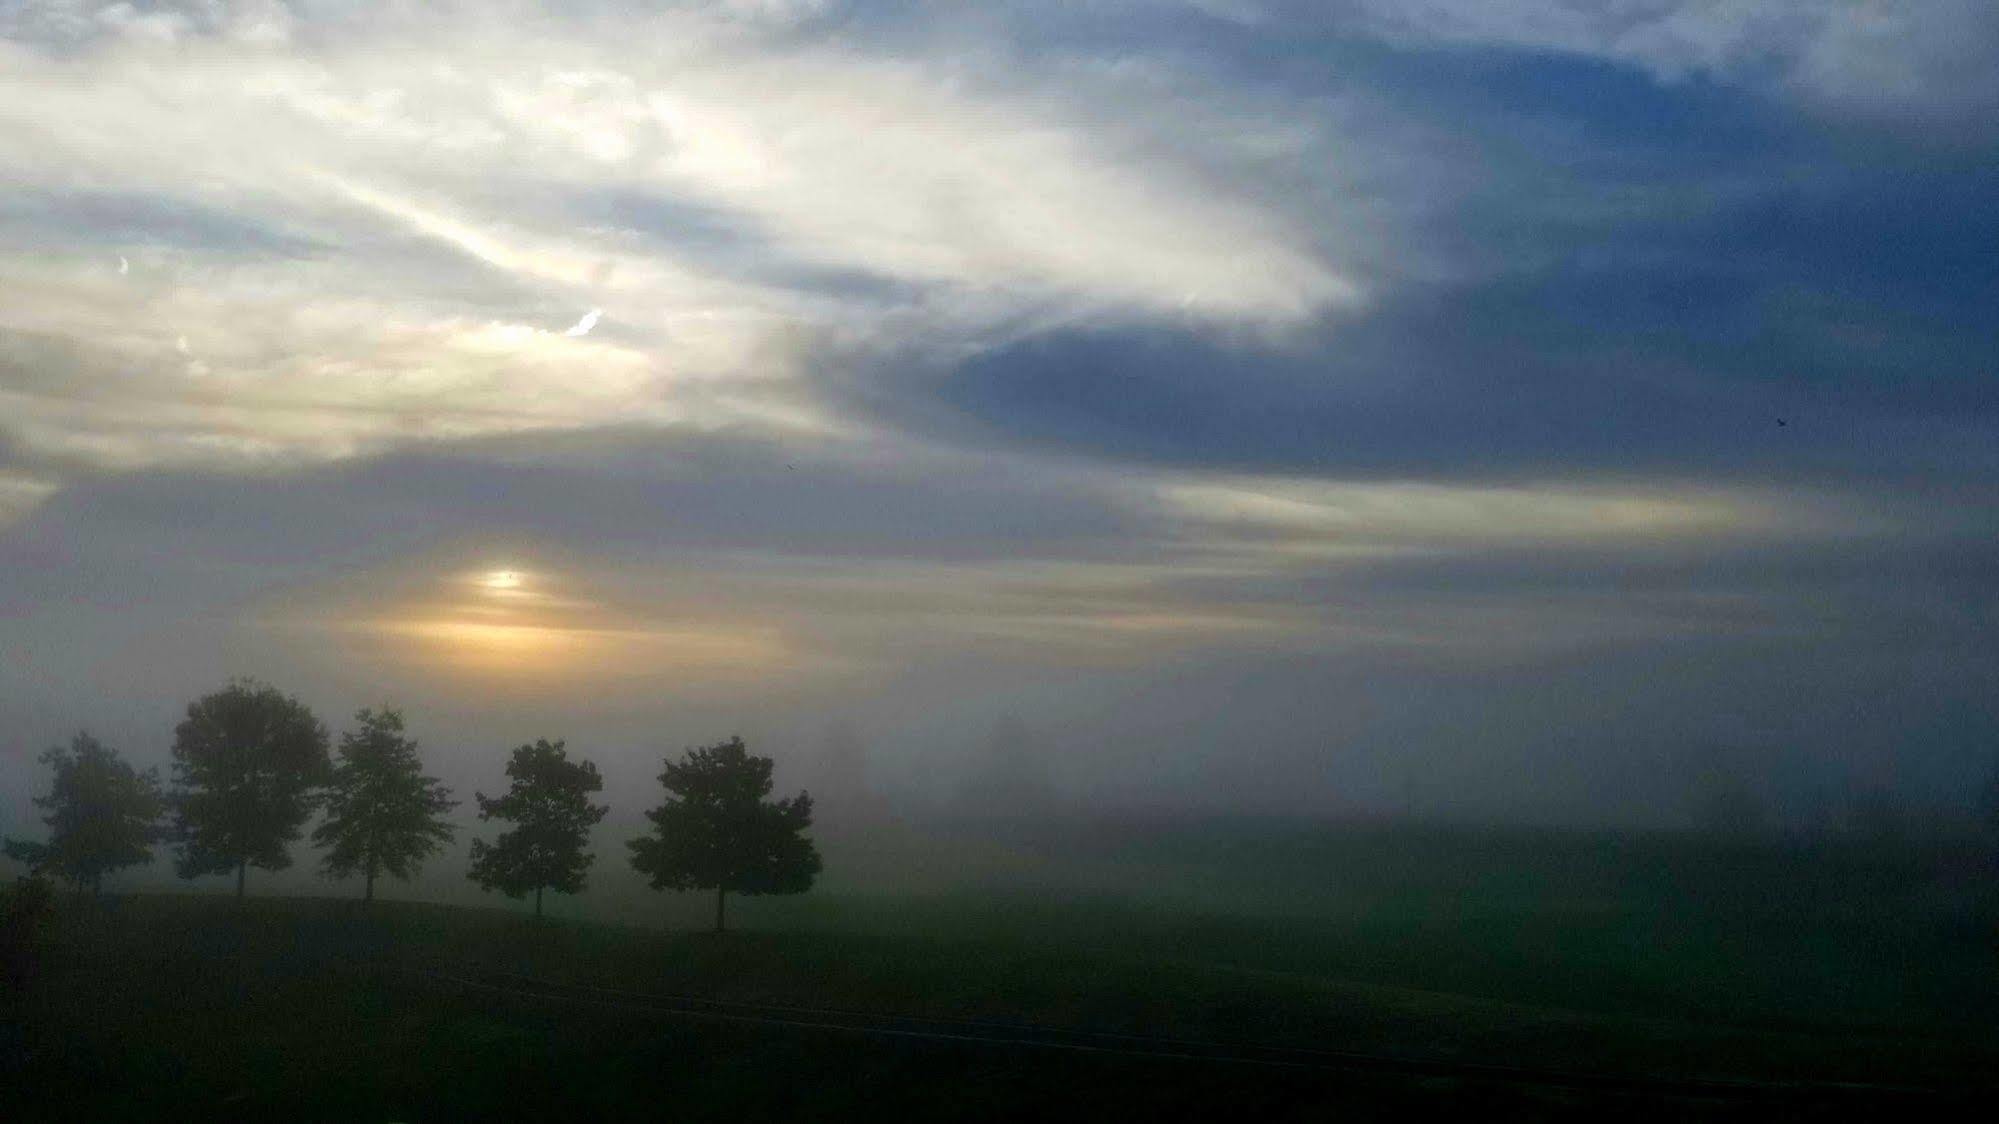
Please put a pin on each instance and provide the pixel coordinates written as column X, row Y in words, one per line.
column 102, row 815
column 550, row 803
column 716, row 831
column 382, row 814
column 246, row 762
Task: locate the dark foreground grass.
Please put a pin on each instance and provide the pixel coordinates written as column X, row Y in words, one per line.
column 171, row 1007
column 264, row 1045
column 1863, row 933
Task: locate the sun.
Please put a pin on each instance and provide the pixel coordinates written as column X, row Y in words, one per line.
column 501, row 581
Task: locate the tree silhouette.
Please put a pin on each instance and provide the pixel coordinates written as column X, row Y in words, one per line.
column 102, row 815
column 550, row 803
column 716, row 830
column 246, row 761
column 382, row 814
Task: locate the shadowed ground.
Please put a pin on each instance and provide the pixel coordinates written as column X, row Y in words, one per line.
column 315, row 1009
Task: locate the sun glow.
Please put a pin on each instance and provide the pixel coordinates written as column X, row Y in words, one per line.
column 505, row 622
column 502, row 581
column 544, row 649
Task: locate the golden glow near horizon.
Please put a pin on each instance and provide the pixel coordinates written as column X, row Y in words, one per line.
column 715, row 620
column 510, row 622
column 555, row 650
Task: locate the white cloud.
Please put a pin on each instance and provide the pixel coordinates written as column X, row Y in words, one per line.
column 21, row 494
column 1927, row 60
column 1312, row 517
column 732, row 193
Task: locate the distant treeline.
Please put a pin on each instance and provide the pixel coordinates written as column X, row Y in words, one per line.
column 252, row 764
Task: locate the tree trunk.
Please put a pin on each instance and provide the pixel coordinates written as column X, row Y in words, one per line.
column 241, row 868
column 537, row 901
column 718, row 908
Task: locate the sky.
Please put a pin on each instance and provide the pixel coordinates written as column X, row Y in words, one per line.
column 1467, row 407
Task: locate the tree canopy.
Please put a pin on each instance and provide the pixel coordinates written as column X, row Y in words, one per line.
column 102, row 814
column 549, row 803
column 383, row 815
column 716, row 831
column 247, row 760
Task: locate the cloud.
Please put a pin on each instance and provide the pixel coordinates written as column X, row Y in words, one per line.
column 842, row 554
column 771, row 202
column 312, row 211
column 20, row 494
column 1155, row 624
column 1921, row 64
column 1631, row 343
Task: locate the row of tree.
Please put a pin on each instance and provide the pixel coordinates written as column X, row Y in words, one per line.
column 252, row 764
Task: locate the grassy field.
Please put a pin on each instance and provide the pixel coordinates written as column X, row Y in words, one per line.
column 1849, row 933
column 1659, row 960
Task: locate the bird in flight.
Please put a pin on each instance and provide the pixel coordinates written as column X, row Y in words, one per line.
column 582, row 327
column 1781, row 423
column 124, row 266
